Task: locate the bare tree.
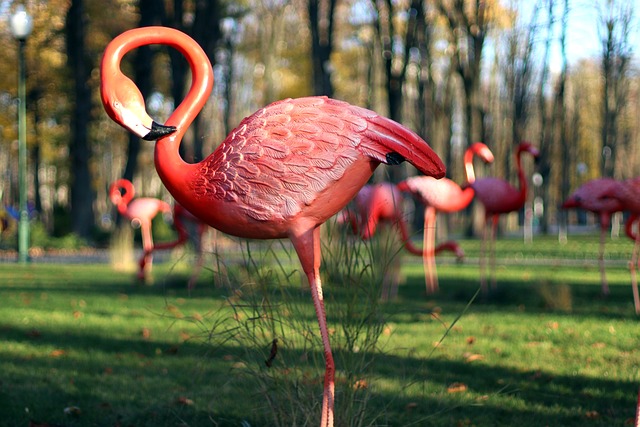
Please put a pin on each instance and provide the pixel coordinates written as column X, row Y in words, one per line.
column 468, row 22
column 546, row 133
column 615, row 19
column 564, row 134
column 321, row 21
column 80, row 66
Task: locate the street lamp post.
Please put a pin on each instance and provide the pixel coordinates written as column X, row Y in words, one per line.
column 21, row 26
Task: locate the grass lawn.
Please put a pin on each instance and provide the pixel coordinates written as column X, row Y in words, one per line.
column 82, row 345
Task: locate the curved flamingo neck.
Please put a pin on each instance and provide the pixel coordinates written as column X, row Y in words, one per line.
column 521, row 177
column 172, row 169
column 468, row 166
column 121, row 200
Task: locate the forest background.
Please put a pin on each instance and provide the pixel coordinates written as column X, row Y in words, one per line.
column 455, row 71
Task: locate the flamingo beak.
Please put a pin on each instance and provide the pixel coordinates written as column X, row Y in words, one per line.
column 158, row 131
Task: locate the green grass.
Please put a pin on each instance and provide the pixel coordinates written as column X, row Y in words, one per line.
column 544, row 349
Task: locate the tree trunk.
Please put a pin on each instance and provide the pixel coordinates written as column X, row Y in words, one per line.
column 321, row 22
column 82, row 194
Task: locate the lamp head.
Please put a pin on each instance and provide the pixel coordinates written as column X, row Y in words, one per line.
column 21, row 23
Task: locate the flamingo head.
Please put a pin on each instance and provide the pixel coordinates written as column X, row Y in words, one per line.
column 482, row 151
column 529, row 148
column 124, row 103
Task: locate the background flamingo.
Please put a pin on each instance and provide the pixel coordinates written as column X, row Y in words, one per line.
column 382, row 203
column 498, row 197
column 442, row 195
column 590, row 196
column 628, row 195
column 140, row 212
column 282, row 173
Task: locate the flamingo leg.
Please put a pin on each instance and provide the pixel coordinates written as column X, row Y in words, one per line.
column 603, row 275
column 147, row 245
column 632, row 269
column 482, row 257
column 428, row 257
column 492, row 251
column 307, row 246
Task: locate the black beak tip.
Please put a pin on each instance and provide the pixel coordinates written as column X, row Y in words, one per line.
column 158, row 131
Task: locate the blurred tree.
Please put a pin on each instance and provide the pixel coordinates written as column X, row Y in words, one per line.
column 468, row 22
column 615, row 20
column 321, row 22
column 80, row 66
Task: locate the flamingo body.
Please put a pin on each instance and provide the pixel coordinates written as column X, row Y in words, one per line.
column 626, row 196
column 281, row 173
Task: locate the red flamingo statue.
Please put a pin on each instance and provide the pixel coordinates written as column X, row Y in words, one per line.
column 281, row 173
column 498, row 197
column 442, row 195
column 628, row 195
column 140, row 212
column 590, row 196
column 382, row 203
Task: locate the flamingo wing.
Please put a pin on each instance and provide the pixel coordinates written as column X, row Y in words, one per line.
column 443, row 194
column 497, row 195
column 283, row 156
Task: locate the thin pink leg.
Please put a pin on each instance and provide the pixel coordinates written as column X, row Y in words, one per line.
column 632, row 269
column 147, row 246
column 603, row 275
column 482, row 257
column 307, row 245
column 428, row 257
column 492, row 251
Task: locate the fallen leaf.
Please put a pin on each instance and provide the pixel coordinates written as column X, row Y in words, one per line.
column 410, row 406
column 184, row 401
column 471, row 340
column 473, row 357
column 592, row 415
column 552, row 325
column 146, row 333
column 360, row 384
column 72, row 410
column 598, row 345
column 57, row 353
column 457, row 388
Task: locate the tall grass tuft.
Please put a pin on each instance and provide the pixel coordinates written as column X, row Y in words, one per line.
column 275, row 330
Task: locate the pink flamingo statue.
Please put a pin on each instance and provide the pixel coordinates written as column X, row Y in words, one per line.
column 635, row 236
column 498, row 197
column 628, row 195
column 382, row 203
column 442, row 195
column 590, row 196
column 140, row 212
column 281, row 173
